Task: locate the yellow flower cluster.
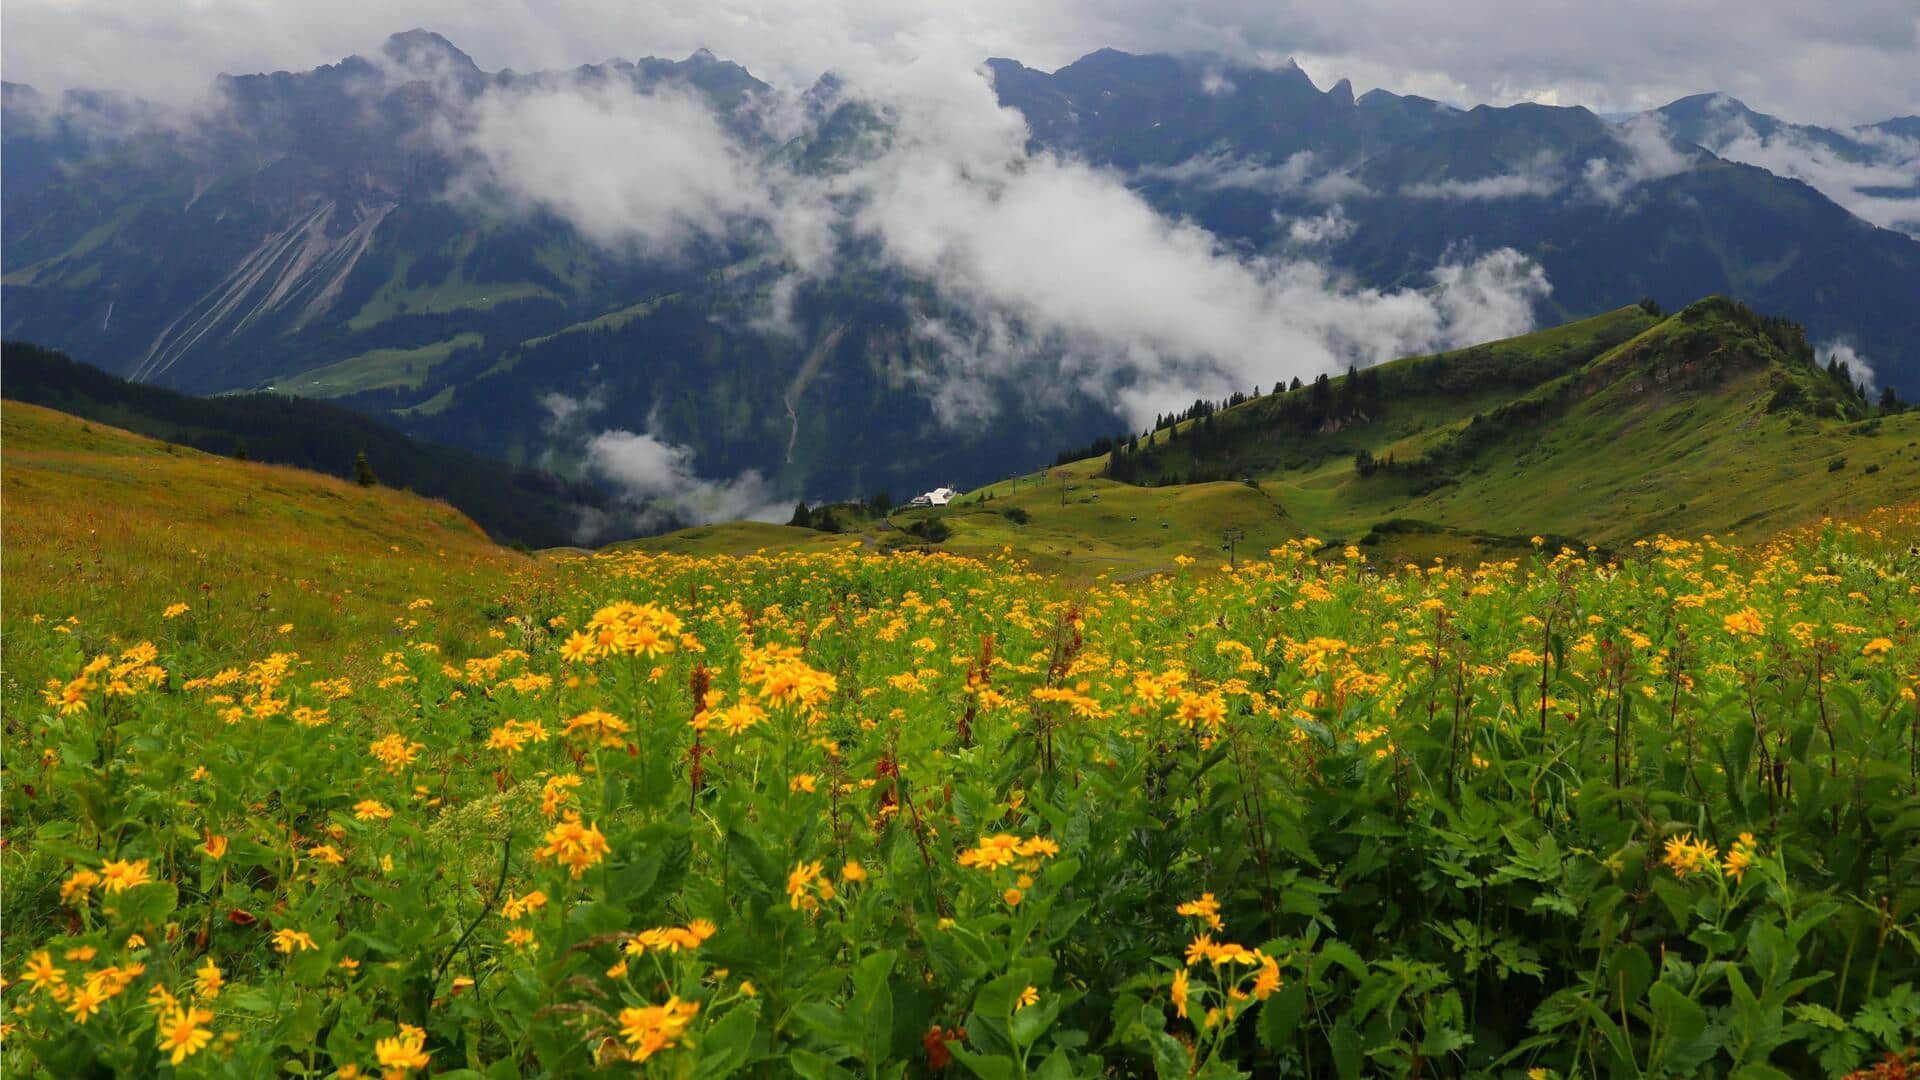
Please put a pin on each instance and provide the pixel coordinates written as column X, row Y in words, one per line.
column 873, row 706
column 395, row 751
column 134, row 671
column 1686, row 856
column 1078, row 703
column 601, row 728
column 183, row 1032
column 1205, row 908
column 649, row 1029
column 807, row 886
column 670, row 939
column 1740, row 855
column 1240, row 973
column 780, row 678
column 515, row 908
column 96, row 989
column 573, row 845
column 1003, row 850
column 402, row 1053
column 645, row 631
column 514, row 735
column 557, row 792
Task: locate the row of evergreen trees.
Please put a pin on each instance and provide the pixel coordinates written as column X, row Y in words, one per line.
column 1208, row 435
column 1791, row 338
column 1890, row 403
column 838, row 517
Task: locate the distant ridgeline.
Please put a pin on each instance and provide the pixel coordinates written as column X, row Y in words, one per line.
column 513, row 505
column 1471, row 398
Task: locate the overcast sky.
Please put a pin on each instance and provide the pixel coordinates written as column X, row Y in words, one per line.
column 1845, row 62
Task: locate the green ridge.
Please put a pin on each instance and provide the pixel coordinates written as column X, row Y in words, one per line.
column 1599, row 432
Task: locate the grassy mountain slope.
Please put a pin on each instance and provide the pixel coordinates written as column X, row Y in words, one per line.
column 1698, row 422
column 1102, row 528
column 512, row 504
column 106, row 522
column 1601, row 432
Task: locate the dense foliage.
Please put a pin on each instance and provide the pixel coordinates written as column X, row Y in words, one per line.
column 839, row 814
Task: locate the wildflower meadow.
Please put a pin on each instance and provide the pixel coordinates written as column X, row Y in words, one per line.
column 1647, row 813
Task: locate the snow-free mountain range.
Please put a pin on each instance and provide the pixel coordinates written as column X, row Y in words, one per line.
column 367, row 232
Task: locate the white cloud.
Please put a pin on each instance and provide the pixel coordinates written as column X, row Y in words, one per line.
column 1856, row 365
column 1541, row 178
column 1647, row 153
column 658, row 477
column 1862, row 186
column 658, row 484
column 563, row 411
column 1060, row 270
column 1045, row 267
column 1330, row 227
column 1223, row 169
column 1484, row 299
column 647, row 171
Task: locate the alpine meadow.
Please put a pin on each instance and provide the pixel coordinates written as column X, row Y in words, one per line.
column 872, row 561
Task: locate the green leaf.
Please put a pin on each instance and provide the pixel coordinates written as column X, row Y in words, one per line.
column 986, row 1066
column 873, row 1004
column 997, row 998
column 1818, row 1016
column 1033, row 1021
column 1342, row 954
column 1057, row 1066
column 1632, row 971
column 144, row 905
column 1682, row 1024
column 1171, row 1060
column 1344, row 1041
column 1281, row 1014
column 727, row 1044
column 811, row 1066
column 841, row 1031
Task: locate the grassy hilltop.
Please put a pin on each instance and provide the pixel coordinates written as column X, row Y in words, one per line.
column 523, row 506
column 113, row 529
column 1602, row 431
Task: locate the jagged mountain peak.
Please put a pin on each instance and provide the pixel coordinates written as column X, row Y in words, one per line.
column 424, row 48
column 1698, row 110
column 1378, row 99
column 1712, row 99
